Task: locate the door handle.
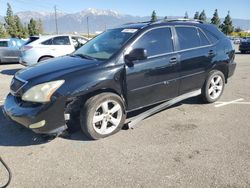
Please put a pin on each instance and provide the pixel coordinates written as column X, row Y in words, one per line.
column 211, row 53
column 173, row 60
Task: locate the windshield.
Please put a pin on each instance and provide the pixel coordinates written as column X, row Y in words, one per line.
column 105, row 45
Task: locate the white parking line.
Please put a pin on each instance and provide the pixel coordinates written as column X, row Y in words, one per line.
column 237, row 101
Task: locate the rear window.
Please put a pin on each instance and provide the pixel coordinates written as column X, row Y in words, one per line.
column 3, row 43
column 31, row 39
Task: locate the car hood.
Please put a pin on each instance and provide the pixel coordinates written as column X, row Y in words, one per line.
column 55, row 68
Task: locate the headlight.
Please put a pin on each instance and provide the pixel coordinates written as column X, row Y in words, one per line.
column 42, row 92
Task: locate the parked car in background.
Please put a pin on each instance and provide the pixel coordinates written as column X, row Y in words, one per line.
column 40, row 48
column 237, row 40
column 119, row 71
column 244, row 45
column 10, row 50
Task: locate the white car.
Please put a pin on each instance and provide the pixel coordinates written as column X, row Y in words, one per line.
column 40, row 48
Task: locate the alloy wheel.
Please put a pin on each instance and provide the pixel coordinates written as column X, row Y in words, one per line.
column 107, row 117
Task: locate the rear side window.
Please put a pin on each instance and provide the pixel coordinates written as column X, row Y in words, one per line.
column 203, row 39
column 188, row 37
column 213, row 39
column 47, row 42
column 62, row 40
column 156, row 42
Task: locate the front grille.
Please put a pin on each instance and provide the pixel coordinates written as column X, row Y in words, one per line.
column 16, row 85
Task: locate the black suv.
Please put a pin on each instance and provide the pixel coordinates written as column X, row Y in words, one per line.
column 121, row 70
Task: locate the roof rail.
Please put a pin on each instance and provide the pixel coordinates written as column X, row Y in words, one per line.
column 167, row 20
column 144, row 22
column 180, row 20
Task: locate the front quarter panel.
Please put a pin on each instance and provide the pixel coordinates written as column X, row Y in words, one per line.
column 99, row 78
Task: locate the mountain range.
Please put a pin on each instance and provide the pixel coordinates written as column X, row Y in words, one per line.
column 99, row 20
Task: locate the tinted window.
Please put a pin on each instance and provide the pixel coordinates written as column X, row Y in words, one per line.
column 203, row 39
column 63, row 40
column 188, row 37
column 3, row 43
column 210, row 36
column 78, row 42
column 105, row 45
column 156, row 42
column 31, row 39
column 47, row 42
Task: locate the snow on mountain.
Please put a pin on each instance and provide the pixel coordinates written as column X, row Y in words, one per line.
column 99, row 20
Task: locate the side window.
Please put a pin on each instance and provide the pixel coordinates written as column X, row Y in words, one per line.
column 188, row 37
column 47, row 42
column 62, row 40
column 78, row 42
column 203, row 39
column 156, row 42
column 210, row 36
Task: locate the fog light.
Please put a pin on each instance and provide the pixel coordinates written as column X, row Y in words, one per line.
column 37, row 125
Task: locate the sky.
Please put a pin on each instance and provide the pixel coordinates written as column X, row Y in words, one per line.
column 237, row 8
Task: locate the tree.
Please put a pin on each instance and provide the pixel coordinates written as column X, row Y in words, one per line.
column 238, row 29
column 40, row 26
column 203, row 16
column 153, row 16
column 21, row 30
column 196, row 15
column 227, row 26
column 186, row 15
column 215, row 20
column 3, row 33
column 32, row 27
column 10, row 22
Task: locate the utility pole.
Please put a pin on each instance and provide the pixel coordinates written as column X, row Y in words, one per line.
column 88, row 26
column 56, row 19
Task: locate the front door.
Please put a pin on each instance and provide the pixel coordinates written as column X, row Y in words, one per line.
column 154, row 79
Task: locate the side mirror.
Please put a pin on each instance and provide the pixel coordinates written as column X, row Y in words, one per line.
column 135, row 55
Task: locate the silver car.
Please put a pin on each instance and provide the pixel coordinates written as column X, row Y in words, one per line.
column 10, row 50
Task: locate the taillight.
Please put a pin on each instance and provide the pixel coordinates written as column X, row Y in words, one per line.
column 25, row 48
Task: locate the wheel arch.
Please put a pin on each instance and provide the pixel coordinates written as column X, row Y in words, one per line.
column 223, row 67
column 74, row 105
column 50, row 56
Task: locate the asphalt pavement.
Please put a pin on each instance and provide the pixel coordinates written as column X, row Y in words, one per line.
column 189, row 145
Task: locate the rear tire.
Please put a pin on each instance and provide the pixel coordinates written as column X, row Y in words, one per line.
column 102, row 115
column 213, row 87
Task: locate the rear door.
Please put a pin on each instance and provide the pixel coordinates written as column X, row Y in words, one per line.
column 11, row 52
column 196, row 54
column 154, row 79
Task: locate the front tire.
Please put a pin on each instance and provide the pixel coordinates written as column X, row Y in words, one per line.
column 102, row 115
column 213, row 87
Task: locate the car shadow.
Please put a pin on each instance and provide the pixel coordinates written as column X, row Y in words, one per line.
column 10, row 72
column 247, row 53
column 14, row 135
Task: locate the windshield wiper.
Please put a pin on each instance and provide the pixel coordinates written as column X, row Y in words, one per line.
column 83, row 56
